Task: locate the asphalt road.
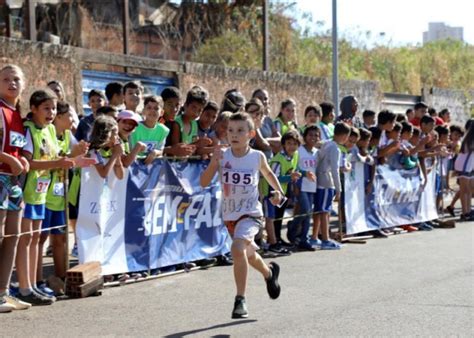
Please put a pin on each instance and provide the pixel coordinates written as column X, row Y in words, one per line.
column 410, row 284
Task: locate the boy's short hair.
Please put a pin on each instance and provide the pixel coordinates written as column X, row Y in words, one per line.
column 311, row 128
column 170, row 93
column 406, row 127
column 386, row 116
column 239, row 116
column 326, row 108
column 454, row 128
column 113, row 88
column 342, row 128
column 211, row 105
column 96, row 92
column 41, row 96
column 419, row 105
column 197, row 94
column 416, row 131
column 291, row 135
column 431, row 111
column 368, row 113
column 376, row 132
column 154, row 99
column 426, row 119
column 442, row 130
column 133, row 85
column 233, row 101
column 364, row 134
column 62, row 108
column 409, row 111
column 354, row 132
column 401, row 117
column 316, row 108
column 106, row 110
column 443, row 112
column 397, row 126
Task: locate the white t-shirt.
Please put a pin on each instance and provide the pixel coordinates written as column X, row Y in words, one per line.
column 307, row 161
column 239, row 179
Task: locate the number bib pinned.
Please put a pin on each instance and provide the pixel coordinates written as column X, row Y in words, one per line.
column 237, row 177
column 42, row 185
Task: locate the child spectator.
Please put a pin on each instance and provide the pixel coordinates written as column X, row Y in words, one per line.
column 327, row 119
column 385, row 122
column 132, row 95
column 55, row 198
column 312, row 117
column 445, row 115
column 267, row 130
column 205, row 123
column 58, row 88
column 12, row 164
column 434, row 114
column 115, row 95
column 285, row 120
column 41, row 150
column 240, row 168
column 150, row 132
column 442, row 169
column 401, row 118
column 368, row 117
column 329, row 184
column 393, row 160
column 256, row 110
column 96, row 100
column 186, row 129
column 410, row 114
column 464, row 166
column 127, row 122
column 220, row 128
column 408, row 160
column 107, row 110
column 374, row 142
column 456, row 133
column 421, row 109
column 285, row 166
column 307, row 159
column 105, row 140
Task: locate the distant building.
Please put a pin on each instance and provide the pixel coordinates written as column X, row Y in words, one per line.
column 441, row 31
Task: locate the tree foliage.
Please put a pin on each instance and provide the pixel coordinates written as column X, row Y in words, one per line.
column 402, row 69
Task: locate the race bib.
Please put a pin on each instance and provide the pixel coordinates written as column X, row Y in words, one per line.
column 42, row 185
column 233, row 177
column 309, row 162
column 58, row 189
column 17, row 139
column 150, row 146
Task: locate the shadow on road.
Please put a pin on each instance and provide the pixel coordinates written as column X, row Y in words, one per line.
column 218, row 326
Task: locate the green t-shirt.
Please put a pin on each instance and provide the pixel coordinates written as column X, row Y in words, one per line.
column 193, row 134
column 153, row 138
column 45, row 148
column 282, row 165
column 55, row 195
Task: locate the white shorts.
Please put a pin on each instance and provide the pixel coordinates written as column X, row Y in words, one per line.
column 246, row 228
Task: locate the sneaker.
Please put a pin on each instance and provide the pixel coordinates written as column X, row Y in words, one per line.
column 330, row 245
column 409, row 228
column 43, row 288
column 306, row 246
column 44, row 293
column 35, row 299
column 285, row 244
column 276, row 248
column 273, row 288
column 16, row 303
column 240, row 308
column 14, row 289
column 316, row 243
column 379, row 233
column 206, row 262
column 225, row 260
column 449, row 209
column 5, row 306
column 425, row 227
column 74, row 251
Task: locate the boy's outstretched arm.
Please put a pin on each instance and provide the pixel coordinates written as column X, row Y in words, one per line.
column 208, row 174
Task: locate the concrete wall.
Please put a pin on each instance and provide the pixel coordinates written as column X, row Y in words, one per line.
column 459, row 103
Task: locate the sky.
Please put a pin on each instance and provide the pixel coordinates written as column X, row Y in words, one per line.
column 402, row 21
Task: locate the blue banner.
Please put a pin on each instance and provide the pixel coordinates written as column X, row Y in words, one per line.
column 166, row 218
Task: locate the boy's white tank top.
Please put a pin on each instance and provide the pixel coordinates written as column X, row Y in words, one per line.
column 239, row 180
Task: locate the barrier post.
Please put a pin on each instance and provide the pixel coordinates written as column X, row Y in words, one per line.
column 66, row 212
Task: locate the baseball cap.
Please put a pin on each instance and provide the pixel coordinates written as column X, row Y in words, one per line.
column 128, row 115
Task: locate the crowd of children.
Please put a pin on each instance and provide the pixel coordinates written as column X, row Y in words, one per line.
column 302, row 167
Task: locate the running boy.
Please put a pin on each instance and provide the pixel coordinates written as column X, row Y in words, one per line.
column 240, row 167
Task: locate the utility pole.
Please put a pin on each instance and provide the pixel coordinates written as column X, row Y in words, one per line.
column 126, row 28
column 30, row 20
column 266, row 59
column 335, row 56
